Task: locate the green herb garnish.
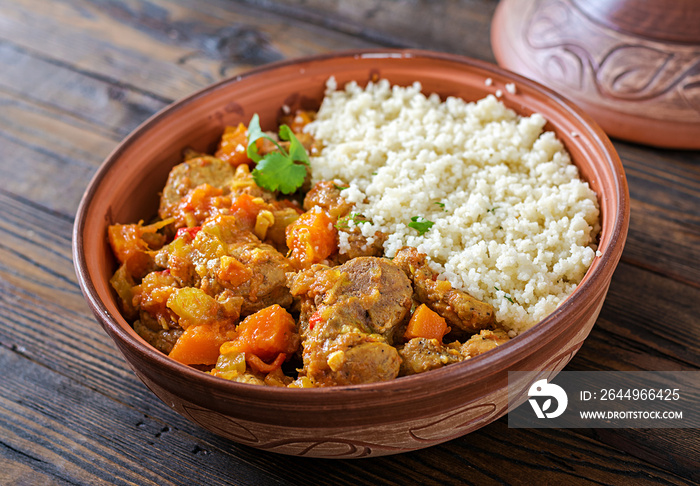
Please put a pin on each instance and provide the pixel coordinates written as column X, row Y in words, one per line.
column 277, row 171
column 441, row 204
column 492, row 210
column 505, row 295
column 356, row 218
column 420, row 224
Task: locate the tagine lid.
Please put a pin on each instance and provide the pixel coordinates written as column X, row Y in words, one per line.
column 633, row 65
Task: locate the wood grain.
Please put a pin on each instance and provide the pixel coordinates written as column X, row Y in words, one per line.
column 459, row 26
column 161, row 47
column 79, row 75
column 107, row 106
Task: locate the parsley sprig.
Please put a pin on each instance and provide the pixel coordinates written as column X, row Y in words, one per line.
column 420, row 224
column 277, row 171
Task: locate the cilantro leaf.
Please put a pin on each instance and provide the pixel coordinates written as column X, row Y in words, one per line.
column 278, row 170
column 275, row 172
column 420, row 224
column 254, row 134
column 297, row 152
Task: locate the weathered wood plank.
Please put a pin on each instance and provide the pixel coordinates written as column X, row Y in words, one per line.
column 676, row 450
column 160, row 47
column 460, row 27
column 76, row 435
column 664, row 234
column 46, row 156
column 551, row 456
column 109, row 107
column 648, row 322
column 45, row 316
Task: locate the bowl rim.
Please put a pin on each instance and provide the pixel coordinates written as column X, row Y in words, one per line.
column 479, row 366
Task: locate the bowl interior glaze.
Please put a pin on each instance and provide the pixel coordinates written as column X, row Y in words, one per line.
column 126, row 189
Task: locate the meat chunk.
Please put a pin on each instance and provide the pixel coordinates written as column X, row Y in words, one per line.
column 460, row 310
column 326, row 195
column 225, row 259
column 349, row 317
column 254, row 271
column 161, row 339
column 382, row 290
column 353, row 244
column 339, row 350
column 485, row 341
column 367, row 362
column 373, row 287
column 421, row 354
column 190, row 174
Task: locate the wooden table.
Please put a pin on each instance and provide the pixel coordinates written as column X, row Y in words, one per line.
column 76, row 76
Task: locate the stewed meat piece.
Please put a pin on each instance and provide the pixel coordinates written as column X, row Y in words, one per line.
column 161, row 339
column 254, row 271
column 375, row 287
column 421, row 354
column 380, row 287
column 350, row 315
column 190, row 174
column 461, row 310
column 486, row 340
column 326, row 195
column 225, row 259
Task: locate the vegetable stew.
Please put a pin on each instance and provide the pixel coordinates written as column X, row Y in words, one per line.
column 241, row 275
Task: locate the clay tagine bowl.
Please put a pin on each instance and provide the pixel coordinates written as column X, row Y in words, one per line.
column 633, row 65
column 352, row 421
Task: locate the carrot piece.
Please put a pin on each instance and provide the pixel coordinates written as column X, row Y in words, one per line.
column 131, row 244
column 426, row 323
column 298, row 120
column 233, row 146
column 260, row 366
column 311, row 238
column 199, row 344
column 266, row 334
column 246, row 209
column 233, row 271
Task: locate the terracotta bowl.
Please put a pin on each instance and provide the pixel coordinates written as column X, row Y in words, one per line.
column 355, row 421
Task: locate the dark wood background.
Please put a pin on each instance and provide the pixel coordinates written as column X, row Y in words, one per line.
column 76, row 76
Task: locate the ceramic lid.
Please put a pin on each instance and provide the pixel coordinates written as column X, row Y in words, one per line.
column 633, row 65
